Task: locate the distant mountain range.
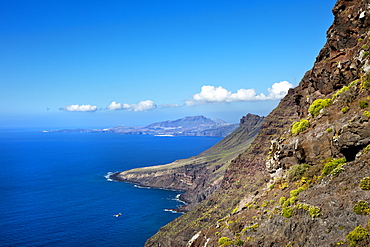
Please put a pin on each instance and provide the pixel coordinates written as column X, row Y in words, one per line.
column 187, row 126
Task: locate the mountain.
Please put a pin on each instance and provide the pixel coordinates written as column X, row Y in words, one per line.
column 200, row 175
column 187, row 126
column 305, row 179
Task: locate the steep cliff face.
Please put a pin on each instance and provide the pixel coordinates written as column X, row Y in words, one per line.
column 200, row 175
column 304, row 181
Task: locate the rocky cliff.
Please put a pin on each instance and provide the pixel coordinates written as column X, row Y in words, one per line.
column 200, row 175
column 305, row 179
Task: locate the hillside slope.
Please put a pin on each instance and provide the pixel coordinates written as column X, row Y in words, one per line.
column 305, row 180
column 200, row 175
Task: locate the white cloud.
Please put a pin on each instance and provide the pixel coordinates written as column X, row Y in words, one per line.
column 168, row 105
column 211, row 94
column 141, row 106
column 81, row 108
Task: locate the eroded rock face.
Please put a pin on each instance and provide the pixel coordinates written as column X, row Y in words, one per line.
column 257, row 178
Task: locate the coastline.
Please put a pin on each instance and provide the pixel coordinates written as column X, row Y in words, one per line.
column 114, row 176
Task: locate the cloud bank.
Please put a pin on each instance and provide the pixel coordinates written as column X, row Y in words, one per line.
column 211, row 94
column 80, row 108
column 141, row 106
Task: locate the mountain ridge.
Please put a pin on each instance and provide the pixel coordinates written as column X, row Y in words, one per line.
column 187, row 126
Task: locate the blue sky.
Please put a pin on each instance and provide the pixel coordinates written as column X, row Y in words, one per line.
column 92, row 64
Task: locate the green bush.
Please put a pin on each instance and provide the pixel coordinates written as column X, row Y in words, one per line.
column 367, row 113
column 300, row 126
column 363, row 104
column 361, row 208
column 314, row 212
column 329, row 130
column 365, row 183
column 345, row 109
column 282, row 200
column 343, row 89
column 296, row 192
column 367, row 149
column 358, row 234
column 331, row 165
column 366, row 83
column 239, row 242
column 224, row 241
column 318, row 105
column 287, row 212
column 296, row 172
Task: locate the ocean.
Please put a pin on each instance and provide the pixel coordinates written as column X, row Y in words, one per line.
column 55, row 192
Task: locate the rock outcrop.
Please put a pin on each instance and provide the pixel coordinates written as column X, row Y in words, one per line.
column 305, row 179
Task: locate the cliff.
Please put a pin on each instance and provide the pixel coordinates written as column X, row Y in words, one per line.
column 200, row 175
column 305, row 179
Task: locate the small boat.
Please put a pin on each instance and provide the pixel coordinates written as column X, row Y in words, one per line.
column 117, row 215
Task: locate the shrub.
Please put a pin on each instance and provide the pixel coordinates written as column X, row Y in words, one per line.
column 282, row 200
column 363, row 104
column 345, row 109
column 365, row 183
column 224, row 241
column 343, row 89
column 331, row 165
column 367, row 149
column 367, row 113
column 287, row 212
column 329, row 130
column 296, row 192
column 318, row 105
column 361, row 208
column 358, row 234
column 300, row 126
column 366, row 83
column 296, row 172
column 314, row 212
column 239, row 242
column 337, row 170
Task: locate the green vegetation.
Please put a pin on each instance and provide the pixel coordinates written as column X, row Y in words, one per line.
column 314, row 212
column 318, row 105
column 252, row 227
column 361, row 207
column 329, row 130
column 365, row 84
column 224, row 241
column 337, row 170
column 367, row 113
column 282, row 200
column 287, row 212
column 300, row 126
column 365, row 183
column 363, row 104
column 331, row 165
column 296, row 192
column 296, row 172
column 343, row 89
column 345, row 109
column 358, row 234
column 367, row 149
column 364, row 47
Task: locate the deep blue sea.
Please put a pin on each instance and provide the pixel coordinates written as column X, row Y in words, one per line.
column 54, row 190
